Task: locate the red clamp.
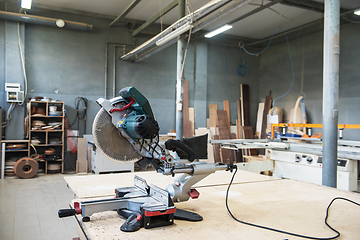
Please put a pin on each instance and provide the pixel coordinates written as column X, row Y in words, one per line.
column 132, row 101
column 194, row 194
column 77, row 207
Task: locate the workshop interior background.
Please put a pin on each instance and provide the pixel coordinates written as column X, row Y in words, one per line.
column 64, row 64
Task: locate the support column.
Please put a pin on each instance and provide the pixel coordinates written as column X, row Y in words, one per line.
column 330, row 91
column 200, row 99
column 181, row 44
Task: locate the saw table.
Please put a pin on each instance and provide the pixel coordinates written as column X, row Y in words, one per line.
column 278, row 203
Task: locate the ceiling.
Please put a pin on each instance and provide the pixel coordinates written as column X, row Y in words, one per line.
column 257, row 26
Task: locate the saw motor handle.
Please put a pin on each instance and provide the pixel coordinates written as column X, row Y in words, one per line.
column 175, row 145
column 66, row 212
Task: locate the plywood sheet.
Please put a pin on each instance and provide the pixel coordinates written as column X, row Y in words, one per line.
column 87, row 186
column 283, row 204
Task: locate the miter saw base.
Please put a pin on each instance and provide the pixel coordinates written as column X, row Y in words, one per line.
column 142, row 206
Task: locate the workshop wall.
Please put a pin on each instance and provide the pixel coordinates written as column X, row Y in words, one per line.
column 217, row 89
column 276, row 76
column 65, row 64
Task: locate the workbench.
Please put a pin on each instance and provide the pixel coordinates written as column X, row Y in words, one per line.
column 284, row 204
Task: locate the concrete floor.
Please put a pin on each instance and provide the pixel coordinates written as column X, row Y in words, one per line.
column 28, row 208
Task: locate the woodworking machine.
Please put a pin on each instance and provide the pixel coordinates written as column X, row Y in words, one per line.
column 125, row 130
column 301, row 158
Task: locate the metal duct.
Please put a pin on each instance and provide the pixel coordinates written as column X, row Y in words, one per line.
column 51, row 22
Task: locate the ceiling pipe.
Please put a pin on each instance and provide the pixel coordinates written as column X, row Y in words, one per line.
column 51, row 22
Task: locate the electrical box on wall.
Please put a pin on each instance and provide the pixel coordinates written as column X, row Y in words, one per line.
column 13, row 93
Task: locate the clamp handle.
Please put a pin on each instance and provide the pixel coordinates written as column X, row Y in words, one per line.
column 66, row 212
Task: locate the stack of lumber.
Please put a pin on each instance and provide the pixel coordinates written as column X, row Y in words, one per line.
column 219, row 125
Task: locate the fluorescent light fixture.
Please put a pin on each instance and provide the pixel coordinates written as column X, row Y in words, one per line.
column 217, row 31
column 357, row 12
column 177, row 32
column 26, row 4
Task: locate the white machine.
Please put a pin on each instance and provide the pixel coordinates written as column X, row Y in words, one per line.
column 308, row 168
column 302, row 161
column 101, row 164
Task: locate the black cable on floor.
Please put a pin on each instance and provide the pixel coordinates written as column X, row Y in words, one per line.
column 285, row 232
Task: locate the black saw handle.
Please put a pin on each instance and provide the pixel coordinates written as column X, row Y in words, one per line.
column 66, row 212
column 175, row 145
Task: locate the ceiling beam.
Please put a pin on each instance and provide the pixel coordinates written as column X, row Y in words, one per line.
column 127, row 10
column 256, row 10
column 156, row 17
column 308, row 5
column 267, row 39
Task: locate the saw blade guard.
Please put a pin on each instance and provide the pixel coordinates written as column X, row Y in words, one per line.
column 125, row 128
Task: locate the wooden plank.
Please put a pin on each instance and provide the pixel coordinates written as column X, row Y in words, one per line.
column 239, row 121
column 192, row 120
column 89, row 160
column 239, row 153
column 238, row 107
column 81, row 156
column 249, row 134
column 238, row 129
column 186, row 122
column 227, row 109
column 224, row 128
column 233, row 152
column 245, row 104
column 259, row 119
column 213, row 115
column 267, row 107
column 216, row 148
column 224, row 133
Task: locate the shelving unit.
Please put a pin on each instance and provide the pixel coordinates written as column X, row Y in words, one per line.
column 43, row 135
column 13, row 149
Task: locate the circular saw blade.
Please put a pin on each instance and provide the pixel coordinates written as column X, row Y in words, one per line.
column 110, row 142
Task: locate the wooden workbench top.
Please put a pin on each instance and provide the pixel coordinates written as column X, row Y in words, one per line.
column 103, row 185
column 283, row 204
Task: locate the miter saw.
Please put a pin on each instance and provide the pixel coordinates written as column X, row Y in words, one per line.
column 125, row 130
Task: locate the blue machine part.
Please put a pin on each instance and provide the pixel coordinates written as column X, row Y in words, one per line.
column 139, row 121
column 281, row 135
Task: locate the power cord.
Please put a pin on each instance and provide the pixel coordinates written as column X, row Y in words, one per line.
column 285, row 232
column 80, row 115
